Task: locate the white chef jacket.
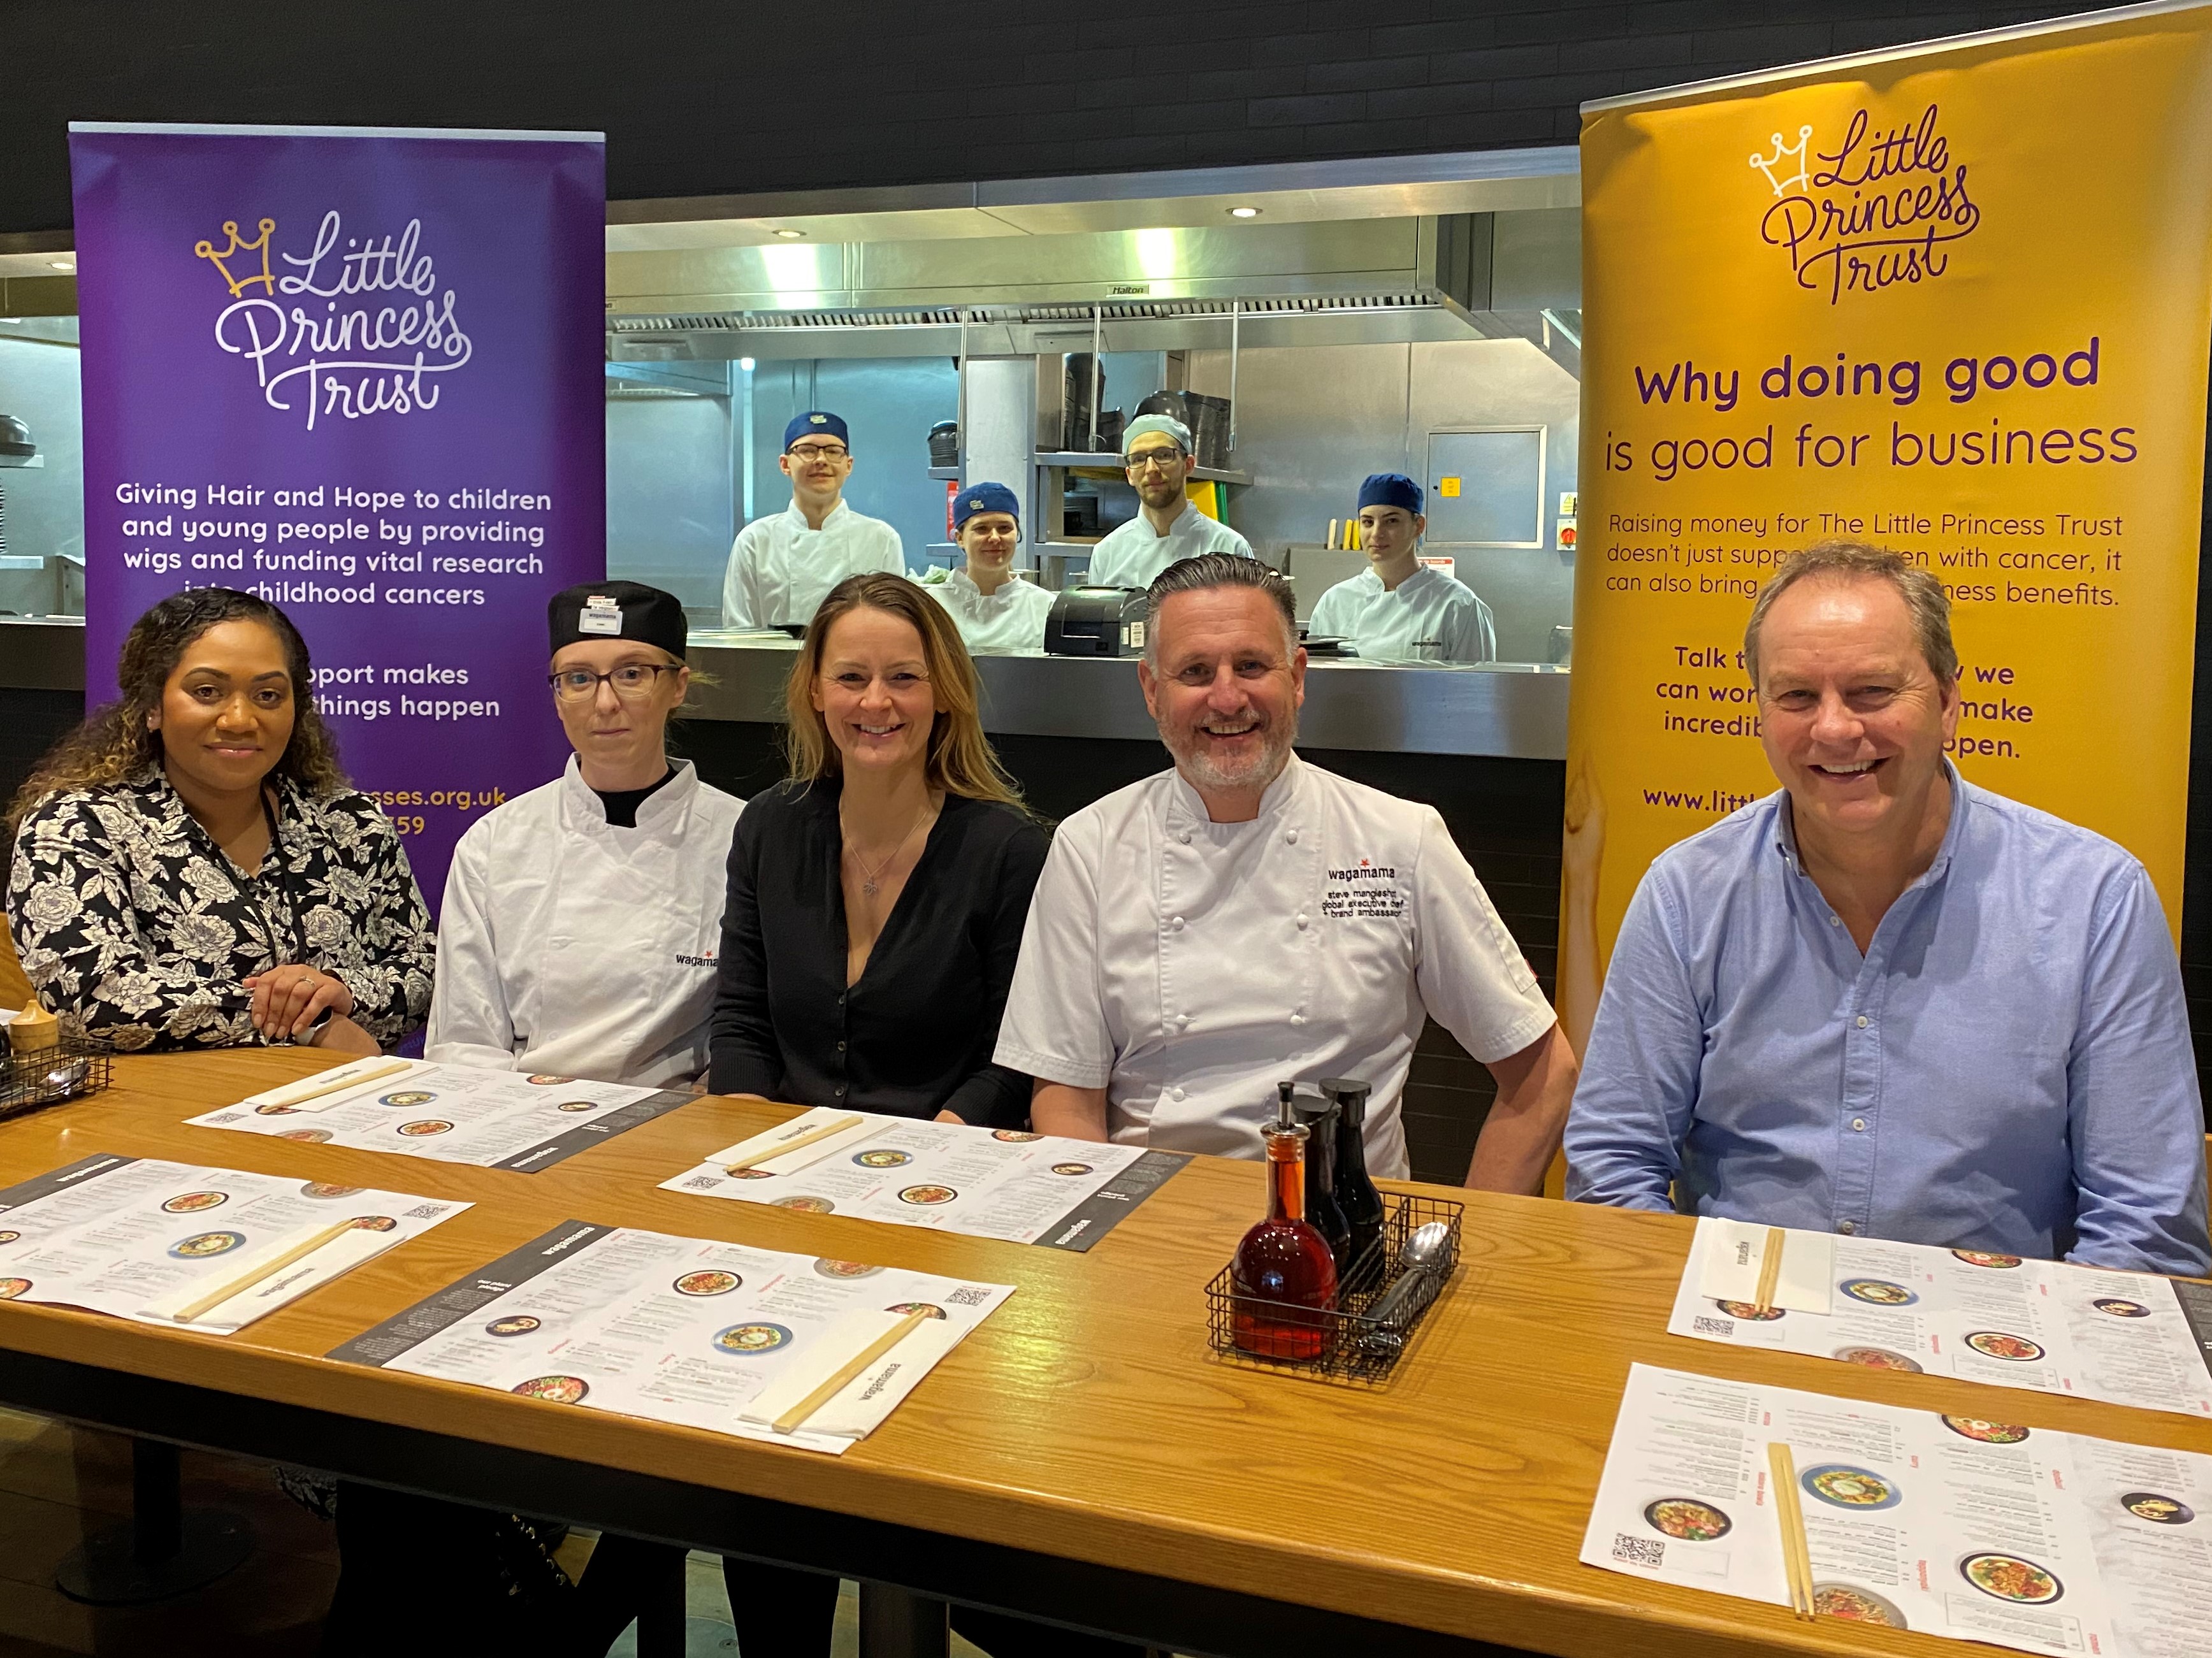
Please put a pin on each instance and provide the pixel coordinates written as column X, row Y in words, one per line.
column 782, row 569
column 1187, row 966
column 1430, row 617
column 1010, row 619
column 1130, row 554
column 570, row 946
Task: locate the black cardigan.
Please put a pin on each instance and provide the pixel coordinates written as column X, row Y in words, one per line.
column 915, row 1036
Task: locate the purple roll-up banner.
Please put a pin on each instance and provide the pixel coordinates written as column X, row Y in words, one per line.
column 358, row 372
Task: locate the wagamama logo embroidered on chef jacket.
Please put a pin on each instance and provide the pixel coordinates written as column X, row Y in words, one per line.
column 1367, row 890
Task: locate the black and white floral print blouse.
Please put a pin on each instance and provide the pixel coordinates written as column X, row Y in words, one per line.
column 137, row 932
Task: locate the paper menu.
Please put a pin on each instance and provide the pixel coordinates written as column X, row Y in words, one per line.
column 689, row 1331
column 983, row 1182
column 1976, row 1530
column 143, row 1239
column 2123, row 1338
column 456, row 1114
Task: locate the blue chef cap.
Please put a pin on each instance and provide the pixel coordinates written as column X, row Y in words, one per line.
column 984, row 498
column 1391, row 489
column 815, row 424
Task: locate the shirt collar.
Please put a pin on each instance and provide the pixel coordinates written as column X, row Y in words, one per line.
column 797, row 519
column 667, row 804
column 1186, row 801
column 1785, row 829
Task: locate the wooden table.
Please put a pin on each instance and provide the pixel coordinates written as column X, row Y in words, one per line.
column 1082, row 1457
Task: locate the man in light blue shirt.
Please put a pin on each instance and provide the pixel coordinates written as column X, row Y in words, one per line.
column 1885, row 1002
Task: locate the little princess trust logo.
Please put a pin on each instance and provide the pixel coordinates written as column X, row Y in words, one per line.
column 1881, row 208
column 381, row 331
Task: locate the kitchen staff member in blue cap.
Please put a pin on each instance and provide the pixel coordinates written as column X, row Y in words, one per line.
column 1156, row 450
column 582, row 919
column 781, row 568
column 1398, row 609
column 994, row 609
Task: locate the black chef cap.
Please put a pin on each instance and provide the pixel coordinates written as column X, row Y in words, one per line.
column 617, row 610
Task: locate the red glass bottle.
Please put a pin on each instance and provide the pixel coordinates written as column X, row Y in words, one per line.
column 1284, row 1277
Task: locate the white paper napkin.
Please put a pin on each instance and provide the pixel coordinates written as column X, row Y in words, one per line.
column 340, row 1255
column 813, row 1152
column 1733, row 1251
column 290, row 1091
column 861, row 1406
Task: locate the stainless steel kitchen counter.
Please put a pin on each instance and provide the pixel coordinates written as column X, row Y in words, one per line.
column 1516, row 712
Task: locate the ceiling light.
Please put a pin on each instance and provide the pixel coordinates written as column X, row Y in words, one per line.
column 790, row 235
column 746, row 364
column 1243, row 212
column 63, row 264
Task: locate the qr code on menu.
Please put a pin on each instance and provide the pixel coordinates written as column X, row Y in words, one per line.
column 701, row 1184
column 428, row 1211
column 1713, row 1326
column 1639, row 1551
column 969, row 1295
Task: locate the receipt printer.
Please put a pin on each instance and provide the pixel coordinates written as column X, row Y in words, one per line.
column 1096, row 622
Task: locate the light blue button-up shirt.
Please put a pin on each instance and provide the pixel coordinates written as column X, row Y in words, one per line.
column 2008, row 1067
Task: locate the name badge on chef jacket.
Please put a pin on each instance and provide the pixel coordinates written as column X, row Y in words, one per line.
column 600, row 615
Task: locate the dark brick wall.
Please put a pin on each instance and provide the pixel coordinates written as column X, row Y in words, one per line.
column 699, row 98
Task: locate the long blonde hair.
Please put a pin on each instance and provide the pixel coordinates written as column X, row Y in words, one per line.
column 960, row 759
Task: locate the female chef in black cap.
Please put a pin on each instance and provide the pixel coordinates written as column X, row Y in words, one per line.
column 581, row 919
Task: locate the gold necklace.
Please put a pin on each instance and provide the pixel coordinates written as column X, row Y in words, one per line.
column 870, row 881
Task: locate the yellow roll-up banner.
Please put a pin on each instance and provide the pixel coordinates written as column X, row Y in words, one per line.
column 1950, row 300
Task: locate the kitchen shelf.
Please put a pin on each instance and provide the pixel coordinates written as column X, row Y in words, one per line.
column 1099, row 461
column 949, row 474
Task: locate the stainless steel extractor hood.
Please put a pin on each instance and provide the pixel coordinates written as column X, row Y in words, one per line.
column 1437, row 277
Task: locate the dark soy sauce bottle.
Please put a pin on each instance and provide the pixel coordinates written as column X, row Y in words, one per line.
column 1318, row 1116
column 1355, row 1192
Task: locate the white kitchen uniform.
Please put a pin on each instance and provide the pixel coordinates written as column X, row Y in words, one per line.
column 1187, row 966
column 782, row 569
column 1010, row 619
column 1430, row 617
column 570, row 946
column 1131, row 554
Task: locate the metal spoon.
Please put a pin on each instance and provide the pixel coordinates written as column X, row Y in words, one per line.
column 1421, row 1259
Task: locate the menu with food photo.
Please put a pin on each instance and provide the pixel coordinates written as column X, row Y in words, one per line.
column 801, row 1350
column 192, row 1247
column 1961, row 1526
column 447, row 1112
column 985, row 1182
column 2125, row 1338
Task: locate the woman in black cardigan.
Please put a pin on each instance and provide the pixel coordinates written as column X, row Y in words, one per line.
column 875, row 911
column 876, row 896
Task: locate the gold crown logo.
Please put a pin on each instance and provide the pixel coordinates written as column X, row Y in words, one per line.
column 259, row 244
column 1784, row 183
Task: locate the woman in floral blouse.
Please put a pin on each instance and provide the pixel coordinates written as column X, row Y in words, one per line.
column 192, row 869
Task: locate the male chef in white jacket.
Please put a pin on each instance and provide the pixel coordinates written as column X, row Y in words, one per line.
column 1246, row 918
column 581, row 919
column 1398, row 609
column 1156, row 454
column 782, row 568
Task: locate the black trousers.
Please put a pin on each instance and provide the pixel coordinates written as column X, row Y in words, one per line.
column 420, row 1577
column 782, row 1612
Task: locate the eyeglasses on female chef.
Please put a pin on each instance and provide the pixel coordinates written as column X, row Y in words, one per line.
column 633, row 681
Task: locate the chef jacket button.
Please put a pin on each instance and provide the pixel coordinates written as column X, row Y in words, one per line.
column 1847, row 1227
column 841, row 1047
column 1184, row 837
column 1298, row 1018
column 1862, row 1022
column 840, row 1092
column 1176, row 1093
column 1302, row 924
column 1177, row 924
column 1292, row 837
